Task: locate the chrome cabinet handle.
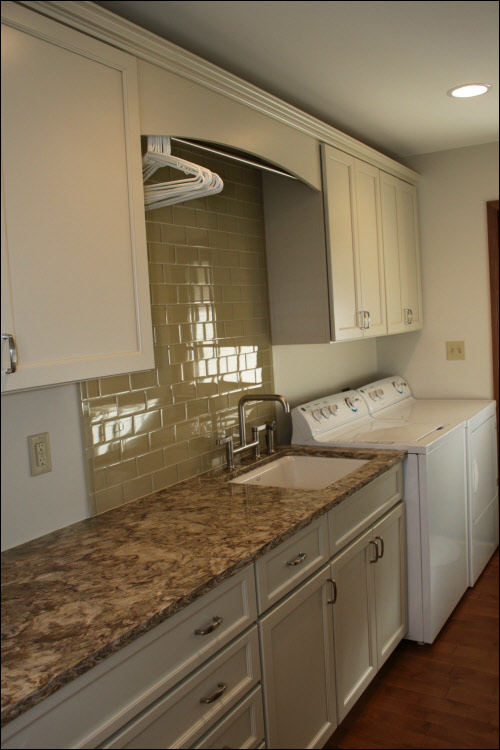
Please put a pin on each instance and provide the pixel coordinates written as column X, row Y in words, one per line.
column 334, row 585
column 298, row 560
column 12, row 353
column 221, row 689
column 368, row 319
column 408, row 316
column 216, row 622
column 361, row 319
column 379, row 539
column 376, row 551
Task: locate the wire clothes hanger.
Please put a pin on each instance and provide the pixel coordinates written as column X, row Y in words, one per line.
column 158, row 155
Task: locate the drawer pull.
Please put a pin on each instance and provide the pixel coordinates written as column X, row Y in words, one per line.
column 216, row 622
column 221, row 689
column 377, row 540
column 298, row 560
column 376, row 552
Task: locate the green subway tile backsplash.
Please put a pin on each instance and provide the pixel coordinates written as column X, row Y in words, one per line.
column 147, row 430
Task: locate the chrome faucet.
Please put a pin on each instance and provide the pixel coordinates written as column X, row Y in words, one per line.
column 258, row 397
column 270, row 429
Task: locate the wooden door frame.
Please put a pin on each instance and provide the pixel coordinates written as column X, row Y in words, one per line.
column 492, row 221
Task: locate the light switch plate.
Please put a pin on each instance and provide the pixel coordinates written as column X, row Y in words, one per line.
column 455, row 350
column 40, row 458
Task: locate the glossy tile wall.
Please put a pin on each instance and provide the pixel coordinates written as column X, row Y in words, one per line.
column 145, row 431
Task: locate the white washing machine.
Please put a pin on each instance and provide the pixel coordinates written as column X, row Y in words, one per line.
column 435, row 495
column 391, row 400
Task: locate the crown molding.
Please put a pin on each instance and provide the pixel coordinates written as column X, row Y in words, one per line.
column 127, row 36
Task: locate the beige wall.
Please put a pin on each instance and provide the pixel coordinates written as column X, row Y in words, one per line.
column 32, row 506
column 453, row 192
column 308, row 371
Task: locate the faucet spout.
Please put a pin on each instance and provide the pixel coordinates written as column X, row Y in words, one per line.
column 257, row 397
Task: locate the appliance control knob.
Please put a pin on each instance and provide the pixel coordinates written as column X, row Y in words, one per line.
column 333, row 409
column 373, row 395
column 325, row 412
column 379, row 392
column 351, row 403
column 316, row 414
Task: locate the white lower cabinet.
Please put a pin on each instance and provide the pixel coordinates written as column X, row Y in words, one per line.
column 370, row 612
column 241, row 727
column 183, row 715
column 298, row 667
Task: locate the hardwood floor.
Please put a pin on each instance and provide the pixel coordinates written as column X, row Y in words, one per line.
column 439, row 696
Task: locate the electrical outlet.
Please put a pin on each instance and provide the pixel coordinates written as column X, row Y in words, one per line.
column 455, row 350
column 39, row 448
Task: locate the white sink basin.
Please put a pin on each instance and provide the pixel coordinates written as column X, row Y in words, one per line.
column 301, row 472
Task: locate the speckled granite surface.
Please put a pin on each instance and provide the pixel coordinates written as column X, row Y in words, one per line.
column 73, row 597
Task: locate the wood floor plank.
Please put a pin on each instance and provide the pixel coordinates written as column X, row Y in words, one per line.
column 440, row 696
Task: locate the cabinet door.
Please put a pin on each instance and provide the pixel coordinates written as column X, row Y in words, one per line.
column 401, row 255
column 396, row 319
column 343, row 258
column 354, row 621
column 298, row 667
column 410, row 255
column 369, row 249
column 390, row 582
column 75, row 248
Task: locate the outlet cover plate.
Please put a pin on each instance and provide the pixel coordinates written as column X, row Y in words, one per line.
column 39, row 449
column 455, row 350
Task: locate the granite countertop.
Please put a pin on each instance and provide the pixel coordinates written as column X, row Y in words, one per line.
column 75, row 596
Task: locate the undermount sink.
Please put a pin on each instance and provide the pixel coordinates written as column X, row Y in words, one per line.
column 301, row 472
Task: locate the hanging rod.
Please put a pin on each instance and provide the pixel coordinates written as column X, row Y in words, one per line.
column 235, row 158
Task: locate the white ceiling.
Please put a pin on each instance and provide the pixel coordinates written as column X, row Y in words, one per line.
column 376, row 70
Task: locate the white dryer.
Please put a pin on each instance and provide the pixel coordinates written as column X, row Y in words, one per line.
column 435, row 495
column 391, row 400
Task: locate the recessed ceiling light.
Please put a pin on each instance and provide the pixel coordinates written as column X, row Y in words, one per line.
column 469, row 89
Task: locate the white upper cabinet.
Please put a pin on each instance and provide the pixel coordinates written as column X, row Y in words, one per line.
column 401, row 254
column 75, row 290
column 354, row 243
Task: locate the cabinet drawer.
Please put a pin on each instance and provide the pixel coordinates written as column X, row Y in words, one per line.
column 180, row 717
column 356, row 513
column 242, row 727
column 281, row 569
column 93, row 706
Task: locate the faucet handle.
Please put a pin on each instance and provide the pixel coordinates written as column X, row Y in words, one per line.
column 255, row 438
column 224, row 439
column 227, row 440
column 271, row 428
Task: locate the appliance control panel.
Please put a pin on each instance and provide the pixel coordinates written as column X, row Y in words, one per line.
column 328, row 413
column 383, row 393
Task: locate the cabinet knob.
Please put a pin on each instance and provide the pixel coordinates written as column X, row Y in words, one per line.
column 12, row 353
